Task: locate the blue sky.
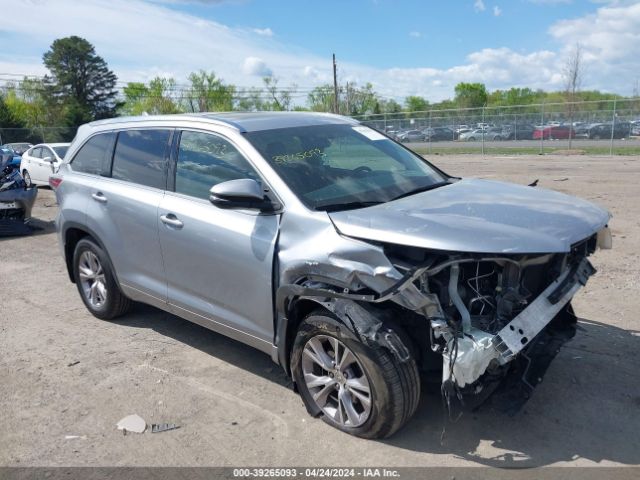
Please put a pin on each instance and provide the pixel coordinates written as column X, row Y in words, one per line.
column 407, row 33
column 403, row 47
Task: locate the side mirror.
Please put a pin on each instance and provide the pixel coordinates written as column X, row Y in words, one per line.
column 48, row 159
column 241, row 193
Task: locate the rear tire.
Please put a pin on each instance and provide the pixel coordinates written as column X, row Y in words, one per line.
column 96, row 281
column 393, row 386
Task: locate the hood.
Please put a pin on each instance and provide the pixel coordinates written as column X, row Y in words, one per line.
column 480, row 216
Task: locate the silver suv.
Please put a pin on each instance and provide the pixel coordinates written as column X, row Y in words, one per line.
column 350, row 260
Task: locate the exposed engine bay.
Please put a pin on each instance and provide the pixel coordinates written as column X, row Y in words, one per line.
column 496, row 309
column 16, row 202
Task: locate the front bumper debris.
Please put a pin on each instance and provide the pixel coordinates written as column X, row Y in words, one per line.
column 467, row 357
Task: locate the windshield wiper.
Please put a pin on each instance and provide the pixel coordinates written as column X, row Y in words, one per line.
column 420, row 190
column 336, row 207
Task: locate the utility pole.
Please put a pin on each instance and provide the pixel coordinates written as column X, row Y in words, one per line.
column 348, row 98
column 335, row 86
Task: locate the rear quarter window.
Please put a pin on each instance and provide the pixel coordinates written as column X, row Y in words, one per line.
column 140, row 157
column 93, row 156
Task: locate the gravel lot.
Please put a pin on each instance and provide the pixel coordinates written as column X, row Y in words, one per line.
column 66, row 373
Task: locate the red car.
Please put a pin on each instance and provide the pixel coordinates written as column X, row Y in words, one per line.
column 554, row 132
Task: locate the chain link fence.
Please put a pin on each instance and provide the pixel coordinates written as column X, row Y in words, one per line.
column 610, row 127
column 36, row 135
column 595, row 127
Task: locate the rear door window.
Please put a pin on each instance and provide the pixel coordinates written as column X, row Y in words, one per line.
column 140, row 157
column 94, row 155
column 36, row 152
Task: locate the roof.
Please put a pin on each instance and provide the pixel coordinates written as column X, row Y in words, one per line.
column 254, row 121
column 245, row 121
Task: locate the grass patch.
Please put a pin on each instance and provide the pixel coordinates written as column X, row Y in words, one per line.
column 525, row 150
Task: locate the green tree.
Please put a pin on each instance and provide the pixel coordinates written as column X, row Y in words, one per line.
column 320, row 99
column 249, row 100
column 31, row 105
column 360, row 101
column 470, row 95
column 279, row 99
column 156, row 98
column 415, row 103
column 10, row 126
column 390, row 106
column 80, row 80
column 209, row 94
column 513, row 96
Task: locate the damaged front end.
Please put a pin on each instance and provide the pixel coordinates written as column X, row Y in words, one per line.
column 495, row 320
column 16, row 202
column 505, row 318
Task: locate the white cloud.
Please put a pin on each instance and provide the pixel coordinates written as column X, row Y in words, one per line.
column 256, row 66
column 316, row 75
column 550, row 2
column 415, row 34
column 607, row 38
column 497, row 11
column 154, row 39
column 479, row 6
column 265, row 32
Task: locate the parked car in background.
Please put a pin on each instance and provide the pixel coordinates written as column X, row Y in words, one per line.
column 603, row 130
column 582, row 131
column 353, row 262
column 9, row 157
column 411, row 136
column 489, row 134
column 517, row 132
column 41, row 161
column 18, row 147
column 393, row 133
column 435, row 134
column 472, row 135
column 553, row 132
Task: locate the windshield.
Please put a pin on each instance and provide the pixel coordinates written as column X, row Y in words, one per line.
column 349, row 166
column 61, row 151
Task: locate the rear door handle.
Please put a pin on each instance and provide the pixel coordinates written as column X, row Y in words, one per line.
column 171, row 220
column 99, row 197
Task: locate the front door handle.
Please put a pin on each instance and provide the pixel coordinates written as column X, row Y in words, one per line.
column 171, row 220
column 99, row 197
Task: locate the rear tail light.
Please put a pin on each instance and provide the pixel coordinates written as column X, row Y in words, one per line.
column 55, row 181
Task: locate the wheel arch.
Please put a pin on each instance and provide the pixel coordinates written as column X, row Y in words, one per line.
column 372, row 324
column 72, row 234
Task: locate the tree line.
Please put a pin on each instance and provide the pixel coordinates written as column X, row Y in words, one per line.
column 79, row 87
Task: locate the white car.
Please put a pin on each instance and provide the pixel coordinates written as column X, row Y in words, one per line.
column 41, row 161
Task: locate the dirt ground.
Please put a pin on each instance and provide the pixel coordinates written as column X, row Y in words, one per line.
column 65, row 373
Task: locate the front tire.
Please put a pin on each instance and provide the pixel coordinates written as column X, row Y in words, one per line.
column 359, row 389
column 27, row 178
column 96, row 281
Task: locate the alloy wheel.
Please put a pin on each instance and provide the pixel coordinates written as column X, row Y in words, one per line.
column 92, row 279
column 336, row 381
